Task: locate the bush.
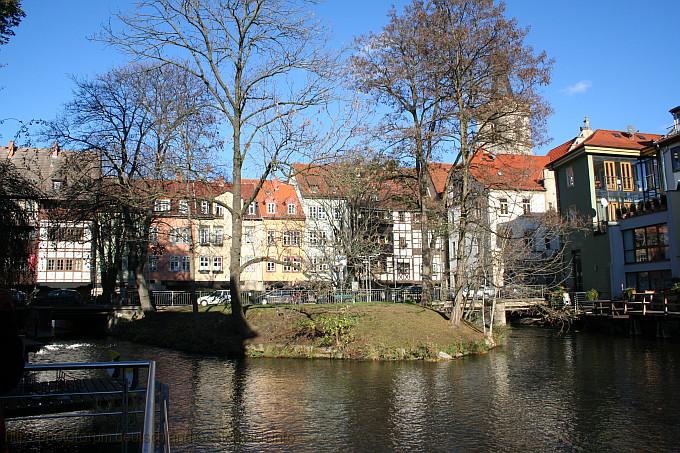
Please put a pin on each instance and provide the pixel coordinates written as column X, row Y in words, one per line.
column 592, row 295
column 333, row 330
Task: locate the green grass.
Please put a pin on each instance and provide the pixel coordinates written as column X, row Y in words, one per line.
column 374, row 331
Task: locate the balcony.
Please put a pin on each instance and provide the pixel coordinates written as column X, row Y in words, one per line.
column 643, row 207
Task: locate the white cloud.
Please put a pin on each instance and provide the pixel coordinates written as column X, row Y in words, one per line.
column 578, row 88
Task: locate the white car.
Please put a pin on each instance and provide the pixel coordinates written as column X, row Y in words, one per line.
column 221, row 296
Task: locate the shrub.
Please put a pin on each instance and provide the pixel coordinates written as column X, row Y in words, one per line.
column 592, row 294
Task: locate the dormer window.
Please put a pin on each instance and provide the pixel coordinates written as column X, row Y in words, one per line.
column 271, row 208
column 57, row 184
column 314, row 188
column 252, row 208
column 205, row 207
column 161, row 205
column 291, row 209
column 183, row 207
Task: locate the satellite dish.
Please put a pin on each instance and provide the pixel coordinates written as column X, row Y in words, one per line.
column 604, row 202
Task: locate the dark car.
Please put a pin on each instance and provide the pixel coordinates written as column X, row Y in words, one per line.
column 60, row 297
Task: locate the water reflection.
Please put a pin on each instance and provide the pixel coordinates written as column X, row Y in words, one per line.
column 571, row 393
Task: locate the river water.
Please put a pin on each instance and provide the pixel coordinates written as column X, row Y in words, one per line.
column 541, row 392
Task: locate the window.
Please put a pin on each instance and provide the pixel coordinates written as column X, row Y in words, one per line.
column 646, row 244
column 205, row 207
column 402, row 216
column 204, row 235
column 68, row 265
column 403, row 269
column 296, row 264
column 504, row 206
column 161, row 205
column 217, row 264
column 174, row 264
column 186, row 267
column 649, row 280
column 317, row 213
column 286, row 264
column 291, row 238
column 627, row 177
column 291, row 264
column 50, row 264
column 314, row 188
column 610, row 175
column 204, row 264
column 337, row 213
column 252, row 208
column 570, row 176
column 152, row 263
column 547, row 242
column 526, row 205
column 153, row 235
column 60, row 264
column 78, row 264
column 180, row 235
column 291, row 209
column 218, row 236
column 611, row 211
column 65, row 234
column 402, row 242
column 675, row 158
column 271, row 237
column 248, row 234
column 219, row 210
column 57, row 185
column 183, row 207
column 317, row 237
column 271, row 208
column 271, row 266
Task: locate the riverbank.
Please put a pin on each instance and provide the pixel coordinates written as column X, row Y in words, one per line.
column 361, row 331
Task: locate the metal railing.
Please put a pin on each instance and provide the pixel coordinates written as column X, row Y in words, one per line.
column 148, row 431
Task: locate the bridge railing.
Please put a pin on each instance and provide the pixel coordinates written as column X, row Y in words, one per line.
column 65, row 389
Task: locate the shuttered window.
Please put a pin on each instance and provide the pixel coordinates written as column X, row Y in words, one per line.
column 610, row 175
column 627, row 176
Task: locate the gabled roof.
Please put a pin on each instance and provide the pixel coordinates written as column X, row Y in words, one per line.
column 275, row 190
column 439, row 172
column 605, row 138
column 509, row 171
column 317, row 181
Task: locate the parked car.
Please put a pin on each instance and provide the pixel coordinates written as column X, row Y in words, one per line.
column 278, row 296
column 221, row 296
column 60, row 297
column 482, row 291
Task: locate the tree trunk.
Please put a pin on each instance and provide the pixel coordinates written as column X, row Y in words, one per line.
column 143, row 289
column 237, row 314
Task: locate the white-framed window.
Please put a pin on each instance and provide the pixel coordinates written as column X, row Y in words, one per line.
column 402, row 242
column 204, row 264
column 219, row 210
column 218, row 236
column 174, row 264
column 503, row 206
column 161, row 205
column 337, row 213
column 526, row 205
column 217, row 264
column 68, row 265
column 186, row 264
column 204, row 235
column 152, row 263
column 316, row 212
column 180, row 235
column 56, row 184
column 570, row 176
column 296, row 261
column 271, row 208
column 250, row 267
column 153, row 234
column 286, row 264
column 248, row 234
column 60, row 264
column 402, row 216
column 205, row 207
column 50, row 264
column 292, row 209
column 317, row 237
column 291, row 238
column 183, row 207
column 271, row 266
column 271, row 237
column 252, row 208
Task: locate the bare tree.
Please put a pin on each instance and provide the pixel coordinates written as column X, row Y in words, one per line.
column 135, row 119
column 262, row 61
column 458, row 78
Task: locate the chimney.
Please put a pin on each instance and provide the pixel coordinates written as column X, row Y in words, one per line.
column 54, row 151
column 11, row 148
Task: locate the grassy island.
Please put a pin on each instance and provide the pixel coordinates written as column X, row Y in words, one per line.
column 361, row 331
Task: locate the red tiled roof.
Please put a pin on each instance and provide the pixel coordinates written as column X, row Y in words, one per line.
column 509, row 171
column 607, row 139
column 439, row 172
column 277, row 191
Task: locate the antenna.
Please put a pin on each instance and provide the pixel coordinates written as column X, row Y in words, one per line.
column 631, row 130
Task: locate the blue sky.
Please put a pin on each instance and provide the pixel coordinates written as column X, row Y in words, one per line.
column 615, row 61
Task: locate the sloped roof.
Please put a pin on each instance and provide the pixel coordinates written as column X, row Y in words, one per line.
column 439, row 172
column 317, row 181
column 606, row 138
column 280, row 192
column 509, row 171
